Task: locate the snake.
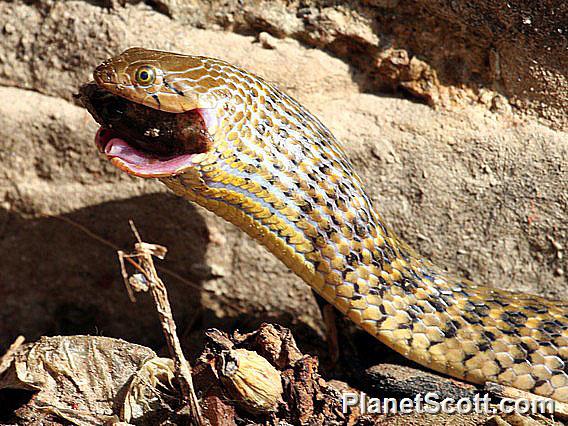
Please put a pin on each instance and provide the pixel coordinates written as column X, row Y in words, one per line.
column 271, row 168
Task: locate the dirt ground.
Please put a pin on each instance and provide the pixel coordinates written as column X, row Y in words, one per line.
column 460, row 139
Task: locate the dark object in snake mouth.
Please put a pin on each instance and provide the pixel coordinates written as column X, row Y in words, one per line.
column 140, row 135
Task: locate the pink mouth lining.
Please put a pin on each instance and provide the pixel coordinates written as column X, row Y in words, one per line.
column 136, row 162
column 142, row 164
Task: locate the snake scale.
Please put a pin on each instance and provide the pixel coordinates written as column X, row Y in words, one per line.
column 276, row 172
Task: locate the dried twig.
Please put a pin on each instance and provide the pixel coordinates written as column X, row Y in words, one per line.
column 107, row 243
column 6, row 359
column 147, row 279
column 560, row 408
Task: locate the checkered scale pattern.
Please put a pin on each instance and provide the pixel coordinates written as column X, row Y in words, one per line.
column 277, row 173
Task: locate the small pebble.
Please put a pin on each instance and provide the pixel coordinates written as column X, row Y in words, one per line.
column 267, row 41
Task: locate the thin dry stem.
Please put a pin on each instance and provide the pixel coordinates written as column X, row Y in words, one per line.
column 6, row 359
column 144, row 263
column 560, row 408
column 107, row 243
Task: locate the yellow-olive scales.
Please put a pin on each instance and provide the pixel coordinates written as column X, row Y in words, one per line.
column 271, row 168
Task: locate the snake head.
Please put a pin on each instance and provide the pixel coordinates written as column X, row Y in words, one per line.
column 157, row 110
column 162, row 80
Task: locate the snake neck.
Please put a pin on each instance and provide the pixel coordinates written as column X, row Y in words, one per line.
column 280, row 175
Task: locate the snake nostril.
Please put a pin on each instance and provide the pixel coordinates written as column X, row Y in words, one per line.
column 108, row 76
column 104, row 74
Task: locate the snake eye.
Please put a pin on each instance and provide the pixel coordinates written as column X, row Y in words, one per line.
column 145, row 75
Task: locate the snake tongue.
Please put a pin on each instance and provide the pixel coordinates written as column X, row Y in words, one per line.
column 138, row 163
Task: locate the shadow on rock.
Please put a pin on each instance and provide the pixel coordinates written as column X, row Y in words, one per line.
column 57, row 279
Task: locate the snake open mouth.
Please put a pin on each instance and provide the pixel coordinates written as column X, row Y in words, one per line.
column 125, row 155
column 143, row 141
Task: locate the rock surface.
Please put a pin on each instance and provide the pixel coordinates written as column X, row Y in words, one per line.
column 444, row 52
column 481, row 190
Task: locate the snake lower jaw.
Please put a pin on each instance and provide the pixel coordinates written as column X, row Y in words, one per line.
column 136, row 162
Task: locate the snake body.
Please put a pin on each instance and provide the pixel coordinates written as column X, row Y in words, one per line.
column 276, row 172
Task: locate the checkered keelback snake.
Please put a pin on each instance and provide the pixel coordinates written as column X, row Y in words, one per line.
column 277, row 173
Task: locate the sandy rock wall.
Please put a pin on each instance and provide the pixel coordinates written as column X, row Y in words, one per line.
column 481, row 190
column 445, row 53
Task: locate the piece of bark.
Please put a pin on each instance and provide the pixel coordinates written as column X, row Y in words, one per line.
column 406, row 382
column 309, row 399
column 560, row 409
column 217, row 412
column 273, row 342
